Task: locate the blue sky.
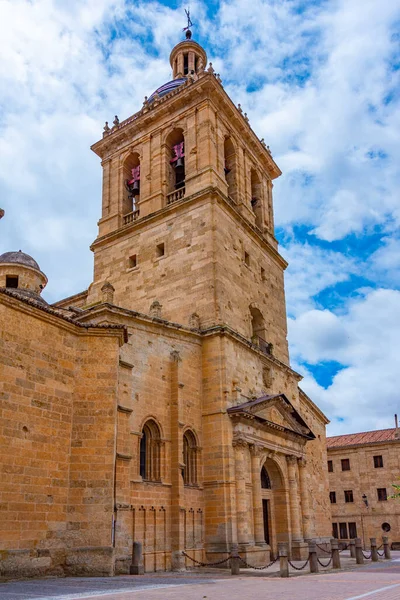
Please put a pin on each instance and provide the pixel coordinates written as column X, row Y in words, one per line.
column 320, row 81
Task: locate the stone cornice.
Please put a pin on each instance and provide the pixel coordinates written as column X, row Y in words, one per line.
column 208, row 193
column 208, row 84
column 51, row 315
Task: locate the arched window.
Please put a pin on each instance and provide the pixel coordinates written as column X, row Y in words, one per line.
column 150, row 452
column 230, row 168
column 131, row 193
column 175, row 144
column 256, row 197
column 265, row 480
column 258, row 332
column 189, row 459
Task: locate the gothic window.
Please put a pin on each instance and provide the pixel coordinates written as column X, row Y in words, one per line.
column 258, row 330
column 175, row 144
column 150, row 452
column 189, row 458
column 256, row 197
column 265, row 480
column 230, row 168
column 131, row 176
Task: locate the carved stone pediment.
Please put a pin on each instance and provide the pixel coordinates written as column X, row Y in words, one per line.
column 276, row 410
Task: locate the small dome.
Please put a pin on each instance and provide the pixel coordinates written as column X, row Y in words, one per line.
column 167, row 88
column 20, row 258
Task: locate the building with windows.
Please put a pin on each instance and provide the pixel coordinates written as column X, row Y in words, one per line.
column 362, row 468
column 159, row 405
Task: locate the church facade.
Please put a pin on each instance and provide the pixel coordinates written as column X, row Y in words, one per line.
column 159, row 405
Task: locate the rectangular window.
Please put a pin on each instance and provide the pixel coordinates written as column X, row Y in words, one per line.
column 247, row 258
column 345, row 464
column 382, row 494
column 330, row 466
column 332, row 497
column 348, row 496
column 378, row 462
column 160, row 250
column 132, row 261
column 335, row 532
column 11, row 281
column 343, row 531
column 352, row 531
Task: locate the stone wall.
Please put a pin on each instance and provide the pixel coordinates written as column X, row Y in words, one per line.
column 58, row 394
column 364, row 478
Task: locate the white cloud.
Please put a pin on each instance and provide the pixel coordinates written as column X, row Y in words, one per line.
column 365, row 341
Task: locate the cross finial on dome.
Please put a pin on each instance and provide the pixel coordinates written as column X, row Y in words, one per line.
column 189, row 25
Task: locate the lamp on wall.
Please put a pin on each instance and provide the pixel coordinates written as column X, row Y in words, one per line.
column 365, row 500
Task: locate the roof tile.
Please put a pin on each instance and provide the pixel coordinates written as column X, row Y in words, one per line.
column 364, row 437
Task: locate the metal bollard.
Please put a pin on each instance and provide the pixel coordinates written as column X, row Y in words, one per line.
column 137, row 567
column 312, row 548
column 235, row 560
column 359, row 552
column 283, row 559
column 374, row 552
column 352, row 545
column 335, row 554
column 386, row 547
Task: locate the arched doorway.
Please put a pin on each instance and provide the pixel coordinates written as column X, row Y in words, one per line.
column 274, row 505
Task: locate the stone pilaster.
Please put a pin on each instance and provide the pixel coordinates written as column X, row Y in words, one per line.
column 240, row 447
column 257, row 499
column 308, row 531
column 293, row 499
column 177, row 530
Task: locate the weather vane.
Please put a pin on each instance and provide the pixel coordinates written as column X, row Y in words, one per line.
column 189, row 20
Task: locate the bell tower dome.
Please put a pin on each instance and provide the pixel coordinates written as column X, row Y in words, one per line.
column 187, row 58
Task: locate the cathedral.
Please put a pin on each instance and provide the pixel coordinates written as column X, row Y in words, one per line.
column 159, row 406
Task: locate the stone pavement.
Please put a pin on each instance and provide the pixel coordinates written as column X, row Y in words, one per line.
column 377, row 581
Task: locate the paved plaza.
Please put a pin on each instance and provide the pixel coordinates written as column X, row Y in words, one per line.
column 377, row 581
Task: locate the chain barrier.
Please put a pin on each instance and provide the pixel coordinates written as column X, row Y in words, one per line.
column 345, row 548
column 322, row 548
column 213, row 564
column 327, row 564
column 366, row 557
column 246, row 564
column 380, row 553
column 299, row 568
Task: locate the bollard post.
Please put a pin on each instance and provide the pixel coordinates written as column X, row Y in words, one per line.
column 312, row 548
column 335, row 554
column 374, row 552
column 235, row 561
column 137, row 567
column 283, row 559
column 386, row 547
column 352, row 545
column 359, row 552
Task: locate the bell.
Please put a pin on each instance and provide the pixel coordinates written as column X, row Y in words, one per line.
column 179, row 165
column 135, row 189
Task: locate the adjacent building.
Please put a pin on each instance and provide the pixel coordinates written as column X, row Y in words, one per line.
column 362, row 468
column 159, row 405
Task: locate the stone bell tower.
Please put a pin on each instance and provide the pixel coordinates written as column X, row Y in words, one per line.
column 187, row 217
